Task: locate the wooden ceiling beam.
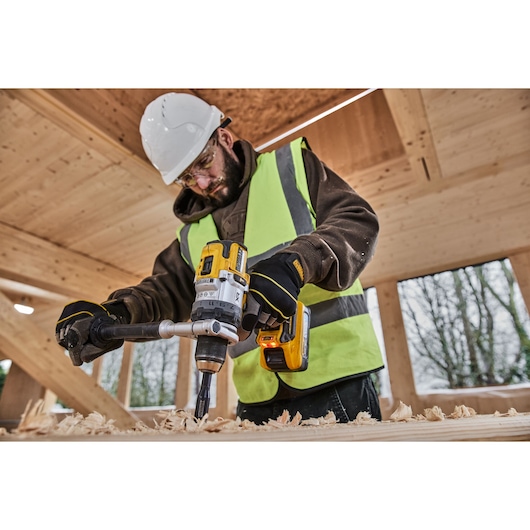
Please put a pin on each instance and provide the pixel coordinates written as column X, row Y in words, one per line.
column 46, row 104
column 410, row 116
column 35, row 262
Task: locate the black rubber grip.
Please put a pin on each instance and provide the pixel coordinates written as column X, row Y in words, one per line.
column 129, row 331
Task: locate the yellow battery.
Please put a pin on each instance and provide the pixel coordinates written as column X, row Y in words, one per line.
column 286, row 348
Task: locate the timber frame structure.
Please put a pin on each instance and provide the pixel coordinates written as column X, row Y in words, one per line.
column 82, row 213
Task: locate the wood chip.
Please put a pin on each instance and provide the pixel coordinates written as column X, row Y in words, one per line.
column 364, row 418
column 461, row 411
column 434, row 414
column 402, row 413
column 511, row 412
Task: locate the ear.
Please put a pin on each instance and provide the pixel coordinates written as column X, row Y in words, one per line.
column 225, row 138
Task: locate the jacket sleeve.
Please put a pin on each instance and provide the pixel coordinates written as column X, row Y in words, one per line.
column 335, row 254
column 167, row 294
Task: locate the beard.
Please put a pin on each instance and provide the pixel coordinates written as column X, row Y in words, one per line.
column 229, row 182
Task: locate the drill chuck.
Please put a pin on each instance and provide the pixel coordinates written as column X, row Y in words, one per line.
column 210, row 353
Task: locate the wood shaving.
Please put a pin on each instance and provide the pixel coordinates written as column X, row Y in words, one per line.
column 364, row 418
column 402, row 413
column 328, row 419
column 434, row 414
column 461, row 411
column 35, row 421
column 511, row 412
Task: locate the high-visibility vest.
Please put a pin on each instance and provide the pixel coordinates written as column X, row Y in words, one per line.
column 342, row 340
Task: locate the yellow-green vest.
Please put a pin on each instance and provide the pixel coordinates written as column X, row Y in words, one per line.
column 342, row 341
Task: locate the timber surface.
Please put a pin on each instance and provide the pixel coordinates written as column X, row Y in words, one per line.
column 477, row 428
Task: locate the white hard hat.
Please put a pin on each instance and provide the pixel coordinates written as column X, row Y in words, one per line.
column 175, row 128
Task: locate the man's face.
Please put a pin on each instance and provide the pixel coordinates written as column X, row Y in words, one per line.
column 216, row 174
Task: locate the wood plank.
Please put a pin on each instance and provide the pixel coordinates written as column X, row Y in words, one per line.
column 478, row 128
column 30, row 260
column 467, row 224
column 123, row 393
column 46, row 104
column 476, row 428
column 41, row 358
column 411, row 119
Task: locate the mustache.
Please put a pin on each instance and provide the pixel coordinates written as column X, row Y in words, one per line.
column 214, row 184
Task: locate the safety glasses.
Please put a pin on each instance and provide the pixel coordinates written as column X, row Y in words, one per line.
column 200, row 167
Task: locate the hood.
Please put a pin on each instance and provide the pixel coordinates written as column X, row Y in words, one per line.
column 190, row 207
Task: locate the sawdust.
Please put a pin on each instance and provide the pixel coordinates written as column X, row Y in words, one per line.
column 35, row 422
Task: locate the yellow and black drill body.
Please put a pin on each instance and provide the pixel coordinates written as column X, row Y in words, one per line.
column 221, row 284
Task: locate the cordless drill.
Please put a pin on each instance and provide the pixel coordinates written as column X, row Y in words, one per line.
column 221, row 285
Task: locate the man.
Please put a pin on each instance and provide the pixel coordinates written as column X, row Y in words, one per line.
column 308, row 234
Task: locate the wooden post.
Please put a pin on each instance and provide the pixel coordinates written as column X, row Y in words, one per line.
column 184, row 373
column 521, row 268
column 19, row 389
column 97, row 369
column 123, row 393
column 397, row 351
column 226, row 397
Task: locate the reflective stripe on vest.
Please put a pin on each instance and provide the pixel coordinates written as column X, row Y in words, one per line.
column 279, row 210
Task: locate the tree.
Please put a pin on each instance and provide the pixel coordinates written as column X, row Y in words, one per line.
column 154, row 373
column 467, row 327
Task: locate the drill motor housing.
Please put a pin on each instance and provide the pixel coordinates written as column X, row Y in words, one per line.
column 221, row 283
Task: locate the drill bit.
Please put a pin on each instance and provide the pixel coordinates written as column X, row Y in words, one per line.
column 203, row 398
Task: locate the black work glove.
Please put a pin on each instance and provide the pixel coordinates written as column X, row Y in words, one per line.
column 73, row 329
column 275, row 284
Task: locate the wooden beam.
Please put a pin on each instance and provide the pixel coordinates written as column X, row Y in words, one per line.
column 411, row 120
column 19, row 389
column 41, row 358
column 184, row 373
column 30, row 260
column 470, row 223
column 521, row 268
column 97, row 370
column 226, row 396
column 123, row 393
column 44, row 103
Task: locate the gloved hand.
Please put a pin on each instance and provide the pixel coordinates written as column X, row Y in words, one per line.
column 73, row 329
column 275, row 284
